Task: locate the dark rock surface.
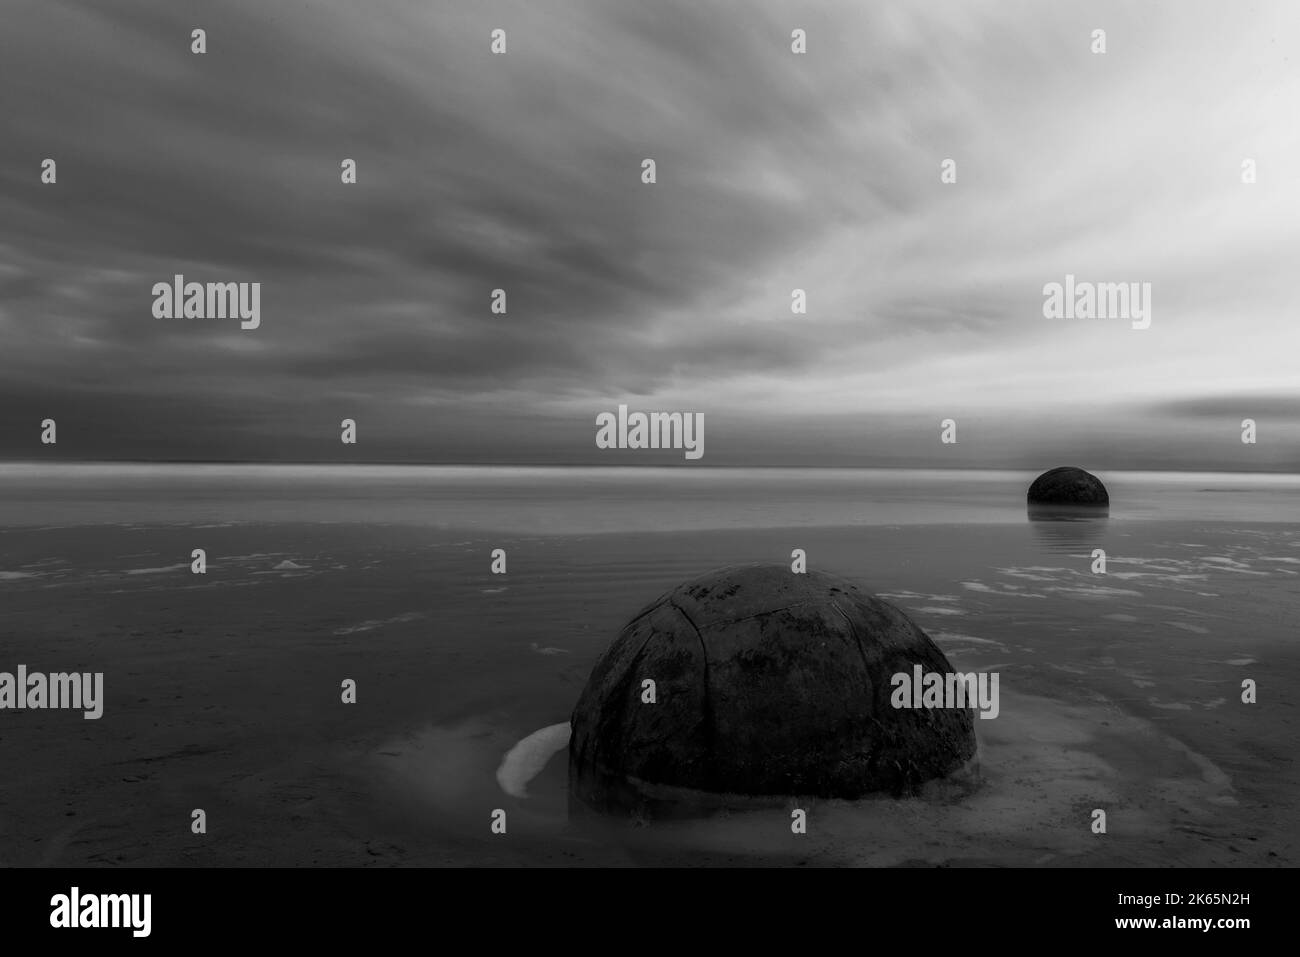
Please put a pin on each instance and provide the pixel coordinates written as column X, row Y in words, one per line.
column 767, row 683
column 1068, row 485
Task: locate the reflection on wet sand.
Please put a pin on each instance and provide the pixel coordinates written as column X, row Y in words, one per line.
column 1065, row 527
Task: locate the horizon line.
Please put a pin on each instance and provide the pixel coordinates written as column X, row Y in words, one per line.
column 620, row 465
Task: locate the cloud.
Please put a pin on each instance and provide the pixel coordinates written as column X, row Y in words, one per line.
column 521, row 172
column 1280, row 406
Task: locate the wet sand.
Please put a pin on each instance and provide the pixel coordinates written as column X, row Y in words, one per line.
column 223, row 692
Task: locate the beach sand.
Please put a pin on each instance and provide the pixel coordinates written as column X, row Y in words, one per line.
column 1120, row 692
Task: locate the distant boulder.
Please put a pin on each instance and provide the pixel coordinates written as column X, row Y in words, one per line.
column 765, row 682
column 1068, row 486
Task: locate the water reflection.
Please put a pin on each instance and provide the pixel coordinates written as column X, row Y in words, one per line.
column 1061, row 528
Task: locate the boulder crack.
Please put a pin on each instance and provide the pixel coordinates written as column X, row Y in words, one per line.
column 710, row 742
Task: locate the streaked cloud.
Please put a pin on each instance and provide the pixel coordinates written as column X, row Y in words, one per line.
column 775, row 172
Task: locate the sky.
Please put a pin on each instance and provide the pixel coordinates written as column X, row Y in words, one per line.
column 775, row 171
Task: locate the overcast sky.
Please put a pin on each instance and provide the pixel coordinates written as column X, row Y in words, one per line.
column 775, row 171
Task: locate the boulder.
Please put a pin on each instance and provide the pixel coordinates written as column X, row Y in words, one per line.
column 766, row 682
column 1068, row 486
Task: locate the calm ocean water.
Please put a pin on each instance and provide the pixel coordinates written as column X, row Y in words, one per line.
column 586, row 500
column 1120, row 687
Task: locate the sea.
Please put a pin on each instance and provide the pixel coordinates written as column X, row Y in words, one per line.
column 228, row 606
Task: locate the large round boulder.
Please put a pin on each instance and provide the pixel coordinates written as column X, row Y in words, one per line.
column 765, row 682
column 1068, row 486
